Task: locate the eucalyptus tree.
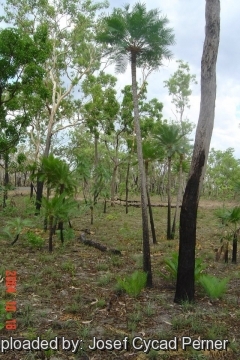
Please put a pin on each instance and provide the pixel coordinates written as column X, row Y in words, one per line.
column 22, row 57
column 179, row 88
column 101, row 107
column 142, row 38
column 100, row 113
column 71, row 28
column 222, row 174
column 185, row 288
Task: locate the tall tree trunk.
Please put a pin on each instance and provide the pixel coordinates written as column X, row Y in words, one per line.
column 150, row 207
column 127, row 181
column 6, row 179
column 234, row 248
column 46, row 153
column 179, row 196
column 96, row 137
column 169, row 230
column 39, row 196
column 185, row 287
column 50, row 239
column 113, row 183
column 146, row 246
column 31, row 190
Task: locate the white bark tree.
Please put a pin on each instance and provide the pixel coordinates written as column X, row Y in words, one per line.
column 188, row 218
column 71, row 29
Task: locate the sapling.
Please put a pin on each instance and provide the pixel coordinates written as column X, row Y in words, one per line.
column 133, row 284
column 214, row 287
column 14, row 228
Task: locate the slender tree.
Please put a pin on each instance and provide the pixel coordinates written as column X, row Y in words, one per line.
column 142, row 38
column 188, row 218
column 179, row 88
column 169, row 137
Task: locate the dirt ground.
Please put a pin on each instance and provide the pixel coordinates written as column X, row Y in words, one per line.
column 72, row 294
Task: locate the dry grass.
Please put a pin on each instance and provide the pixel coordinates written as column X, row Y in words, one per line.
column 72, row 292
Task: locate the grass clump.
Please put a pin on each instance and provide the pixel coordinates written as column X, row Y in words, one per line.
column 215, row 288
column 4, row 315
column 133, row 284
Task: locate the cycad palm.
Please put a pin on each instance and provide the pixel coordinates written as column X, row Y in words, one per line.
column 231, row 218
column 57, row 175
column 141, row 38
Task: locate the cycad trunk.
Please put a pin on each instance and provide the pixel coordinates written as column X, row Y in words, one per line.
column 142, row 176
column 186, row 263
column 169, row 230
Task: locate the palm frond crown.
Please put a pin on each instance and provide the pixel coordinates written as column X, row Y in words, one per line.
column 139, row 32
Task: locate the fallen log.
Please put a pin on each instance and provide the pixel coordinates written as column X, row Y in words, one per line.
column 137, row 203
column 98, row 246
column 154, row 205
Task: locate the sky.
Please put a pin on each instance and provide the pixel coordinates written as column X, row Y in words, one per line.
column 187, row 18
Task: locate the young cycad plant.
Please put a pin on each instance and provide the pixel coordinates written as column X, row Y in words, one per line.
column 215, row 288
column 230, row 218
column 133, row 284
column 57, row 209
column 57, row 175
column 14, row 228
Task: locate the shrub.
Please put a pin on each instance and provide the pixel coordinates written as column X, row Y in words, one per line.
column 215, row 288
column 34, row 239
column 133, row 284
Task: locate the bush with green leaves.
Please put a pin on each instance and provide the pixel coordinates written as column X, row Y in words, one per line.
column 134, row 283
column 34, row 239
column 172, row 267
column 215, row 288
column 4, row 315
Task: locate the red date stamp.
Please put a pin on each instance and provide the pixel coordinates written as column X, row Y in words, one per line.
column 11, row 306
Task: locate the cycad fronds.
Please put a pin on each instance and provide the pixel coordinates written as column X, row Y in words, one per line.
column 138, row 31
